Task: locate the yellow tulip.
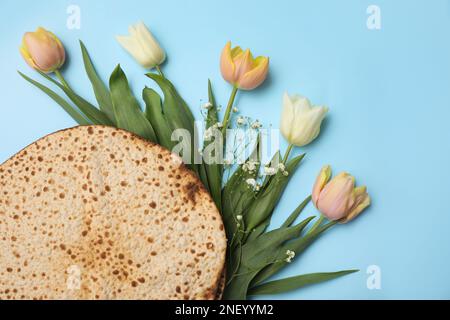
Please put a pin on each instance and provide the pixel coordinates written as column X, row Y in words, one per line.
column 239, row 68
column 42, row 50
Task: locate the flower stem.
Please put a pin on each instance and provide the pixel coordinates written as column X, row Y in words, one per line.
column 61, row 79
column 226, row 118
column 288, row 151
column 317, row 224
column 159, row 71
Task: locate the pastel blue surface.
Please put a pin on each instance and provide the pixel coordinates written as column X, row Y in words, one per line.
column 388, row 91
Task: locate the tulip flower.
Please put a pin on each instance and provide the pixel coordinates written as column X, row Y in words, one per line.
column 244, row 72
column 300, row 121
column 239, row 68
column 142, row 46
column 338, row 199
column 42, row 50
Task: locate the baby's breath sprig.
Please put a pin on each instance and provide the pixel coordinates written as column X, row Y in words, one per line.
column 290, row 255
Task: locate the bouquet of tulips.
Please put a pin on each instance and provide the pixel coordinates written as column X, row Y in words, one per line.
column 248, row 196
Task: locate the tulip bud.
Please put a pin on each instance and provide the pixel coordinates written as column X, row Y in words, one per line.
column 142, row 46
column 239, row 68
column 42, row 50
column 338, row 199
column 300, row 121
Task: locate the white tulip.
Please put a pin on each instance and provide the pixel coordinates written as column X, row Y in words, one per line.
column 142, row 46
column 300, row 121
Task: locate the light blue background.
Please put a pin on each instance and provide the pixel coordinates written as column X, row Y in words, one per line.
column 388, row 91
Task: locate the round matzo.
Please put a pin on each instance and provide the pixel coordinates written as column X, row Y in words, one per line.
column 95, row 212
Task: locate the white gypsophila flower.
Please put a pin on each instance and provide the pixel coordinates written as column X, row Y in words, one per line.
column 235, row 110
column 290, row 255
column 208, row 133
column 257, row 187
column 219, row 124
column 256, row 124
column 285, row 173
column 239, row 217
column 240, row 121
column 251, row 182
column 270, row 171
column 250, row 166
column 281, row 166
column 207, row 105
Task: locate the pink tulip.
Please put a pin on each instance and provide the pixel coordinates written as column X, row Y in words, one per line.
column 338, row 199
column 239, row 68
column 42, row 50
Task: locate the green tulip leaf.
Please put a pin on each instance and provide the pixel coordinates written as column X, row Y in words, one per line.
column 237, row 195
column 294, row 215
column 101, row 91
column 273, row 162
column 237, row 289
column 297, row 245
column 214, row 171
column 177, row 113
column 213, row 115
column 292, row 283
column 259, row 230
column 91, row 112
column 256, row 255
column 203, row 175
column 174, row 107
column 127, row 111
column 74, row 113
column 269, row 246
column 154, row 114
column 269, row 197
column 263, row 226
